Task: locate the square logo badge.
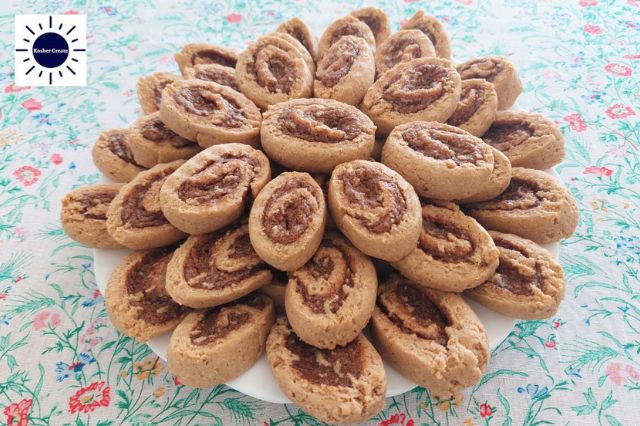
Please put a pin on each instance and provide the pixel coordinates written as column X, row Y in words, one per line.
column 50, row 50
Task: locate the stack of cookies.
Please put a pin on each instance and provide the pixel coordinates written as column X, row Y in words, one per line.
column 291, row 196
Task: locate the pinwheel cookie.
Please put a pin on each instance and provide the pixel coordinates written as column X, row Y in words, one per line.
column 136, row 299
column 113, row 157
column 497, row 71
column 330, row 299
column 377, row 21
column 477, row 107
column 528, row 284
column 201, row 53
column 433, row 29
column 84, row 215
column 212, row 189
column 439, row 160
column 217, row 73
column 375, row 208
column 299, row 30
column 454, row 252
column 431, row 337
column 401, row 47
column 210, row 347
column 348, row 25
column 150, row 90
column 212, row 269
column 497, row 183
column 134, row 218
column 343, row 385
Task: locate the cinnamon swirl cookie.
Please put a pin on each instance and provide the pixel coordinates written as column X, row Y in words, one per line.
column 209, row 113
column 343, row 385
column 212, row 189
column 529, row 140
column 440, row 161
column 210, row 347
column 454, row 252
column 150, row 90
column 431, row 337
column 377, row 21
column 330, row 299
column 477, row 107
column 528, row 284
column 136, row 299
column 348, row 25
column 497, row 71
column 202, row 53
column 535, row 206
column 401, row 47
column 497, row 183
column 212, row 269
column 84, row 215
column 287, row 220
column 273, row 70
column 346, row 71
column 299, row 30
column 217, row 73
column 113, row 157
column 134, row 218
column 299, row 47
column 315, row 135
column 375, row 208
column 425, row 89
column 433, row 29
column 151, row 142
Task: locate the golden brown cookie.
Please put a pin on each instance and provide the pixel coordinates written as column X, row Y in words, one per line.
column 431, row 337
column 433, row 29
column 308, row 59
column 401, row 47
column 497, row 183
column 217, row 73
column 209, row 113
column 113, row 157
column 287, row 220
column 330, row 299
column 136, row 299
column 375, row 208
column 212, row 269
column 346, row 71
column 134, row 218
column 343, row 385
column 150, row 90
column 498, row 71
column 535, row 206
column 426, row 89
column 377, row 21
column 210, row 347
column 315, row 135
column 528, row 284
column 84, row 214
column 212, row 189
column 299, row 30
column 454, row 252
column 151, row 142
column 477, row 107
column 202, row 53
column 529, row 140
column 348, row 25
column 440, row 161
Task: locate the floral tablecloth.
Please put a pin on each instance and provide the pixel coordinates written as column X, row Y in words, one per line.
column 61, row 362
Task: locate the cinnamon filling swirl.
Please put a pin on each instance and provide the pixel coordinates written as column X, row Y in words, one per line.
column 219, row 109
column 320, row 123
column 289, row 211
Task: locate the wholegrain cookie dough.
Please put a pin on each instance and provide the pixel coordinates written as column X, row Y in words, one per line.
column 330, row 299
column 212, row 189
column 150, row 89
column 529, row 140
column 454, row 252
column 402, row 46
column 212, row 269
column 299, row 30
column 431, row 337
column 497, row 183
column 375, row 208
column 528, row 284
column 426, row 89
column 209, row 113
column 203, row 53
column 439, row 160
column 497, row 71
column 210, row 347
column 346, row 71
column 534, row 206
column 343, row 385
column 433, row 29
column 151, row 142
column 134, row 217
column 113, row 157
column 477, row 107
column 348, row 25
column 136, row 299
column 84, row 214
column 315, row 135
column 377, row 21
column 217, row 73
column 287, row 220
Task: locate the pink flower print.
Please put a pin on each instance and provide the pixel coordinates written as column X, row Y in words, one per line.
column 586, row 3
column 56, row 159
column 13, row 89
column 618, row 69
column 465, row 2
column 631, row 56
column 31, row 105
column 575, row 122
column 592, row 29
column 18, row 413
column 632, row 373
column 618, row 111
column 634, row 3
column 234, row 18
column 42, row 318
column 598, row 171
column 613, row 371
column 71, row 12
column 27, row 175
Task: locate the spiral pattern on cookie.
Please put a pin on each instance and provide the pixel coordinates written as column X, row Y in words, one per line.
column 141, row 203
column 91, row 204
column 377, row 21
column 153, row 129
column 118, row 144
column 444, row 240
column 402, row 46
column 413, row 89
column 346, row 26
column 208, row 101
column 433, row 29
column 220, row 74
column 486, row 68
column 522, row 194
column 338, row 60
column 202, row 53
column 507, row 135
column 297, row 29
column 517, row 272
column 472, row 97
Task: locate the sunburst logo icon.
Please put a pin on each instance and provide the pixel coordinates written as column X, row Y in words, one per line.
column 51, row 50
